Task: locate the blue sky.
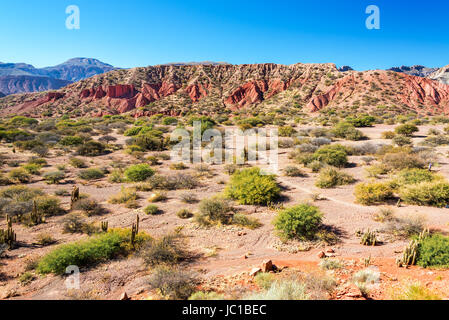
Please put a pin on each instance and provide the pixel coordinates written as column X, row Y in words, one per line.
column 145, row 32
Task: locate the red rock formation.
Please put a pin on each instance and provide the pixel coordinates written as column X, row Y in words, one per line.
column 253, row 92
column 197, row 92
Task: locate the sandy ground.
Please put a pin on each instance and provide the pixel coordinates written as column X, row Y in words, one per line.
column 224, row 251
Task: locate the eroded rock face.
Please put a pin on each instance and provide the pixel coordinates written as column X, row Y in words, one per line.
column 174, row 90
column 254, row 92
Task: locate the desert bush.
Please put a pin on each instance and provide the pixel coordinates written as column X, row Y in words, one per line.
column 116, row 176
column 333, row 155
column 173, row 284
column 434, row 251
column 91, row 174
column 89, row 207
column 74, row 222
column 365, row 278
column 402, row 140
column 346, row 130
column 292, row 171
column 300, row 222
column 54, row 177
column 264, row 280
column 402, row 160
column 91, row 149
column 178, row 166
column 414, row 291
column 45, row 239
column 286, row 131
column 388, row 135
column 188, row 197
column 435, row 194
column 69, row 141
column 184, row 214
column 283, row 290
column 19, row 175
column 243, row 220
column 214, row 210
column 373, row 193
column 169, row 250
column 406, row 129
column 414, row 176
column 127, row 196
column 88, row 252
column 250, row 186
column 366, row 148
column 405, row 227
column 138, row 173
column 173, row 182
column 330, row 264
column 201, row 295
column 32, row 168
column 437, row 140
column 77, row 163
column 158, row 197
column 152, row 210
column 49, row 206
column 331, row 177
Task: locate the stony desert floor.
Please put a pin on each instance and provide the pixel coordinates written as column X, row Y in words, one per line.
column 226, row 254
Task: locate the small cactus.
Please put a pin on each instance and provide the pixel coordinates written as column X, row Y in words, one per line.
column 410, row 253
column 135, row 231
column 104, row 226
column 36, row 217
column 369, row 238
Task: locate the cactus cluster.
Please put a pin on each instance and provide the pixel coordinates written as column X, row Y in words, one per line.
column 410, row 253
column 135, row 231
column 8, row 236
column 75, row 196
column 369, row 238
column 36, row 217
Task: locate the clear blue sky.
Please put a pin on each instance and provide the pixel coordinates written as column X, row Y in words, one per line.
column 129, row 33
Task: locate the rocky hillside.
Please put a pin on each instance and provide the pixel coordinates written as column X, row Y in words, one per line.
column 210, row 89
column 21, row 77
column 417, row 70
column 441, row 75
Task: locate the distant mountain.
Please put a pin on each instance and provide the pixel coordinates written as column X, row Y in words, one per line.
column 345, row 69
column 441, row 75
column 22, row 84
column 22, row 77
column 417, row 70
column 77, row 69
column 2, row 94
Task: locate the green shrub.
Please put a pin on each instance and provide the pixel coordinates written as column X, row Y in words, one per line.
column 152, row 210
column 201, row 295
column 214, row 210
column 127, row 196
column 333, row 155
column 292, row 171
column 435, row 194
column 242, row 220
column 346, row 130
column 434, row 251
column 264, row 280
column 414, row 176
column 91, row 149
column 91, row 174
column 406, row 129
column 283, row 290
column 286, row 131
column 402, row 160
column 71, row 141
column 331, row 177
column 184, row 214
column 373, row 193
column 77, row 163
column 54, row 177
column 49, row 206
column 402, row 140
column 138, row 173
column 251, row 187
column 173, row 182
column 300, row 222
column 88, row 252
column 89, row 207
column 19, row 175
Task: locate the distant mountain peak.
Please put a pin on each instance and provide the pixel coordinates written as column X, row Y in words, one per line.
column 416, row 70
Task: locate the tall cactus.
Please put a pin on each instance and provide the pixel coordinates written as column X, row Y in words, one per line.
column 75, row 196
column 36, row 217
column 135, row 231
column 369, row 238
column 8, row 237
column 410, row 254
